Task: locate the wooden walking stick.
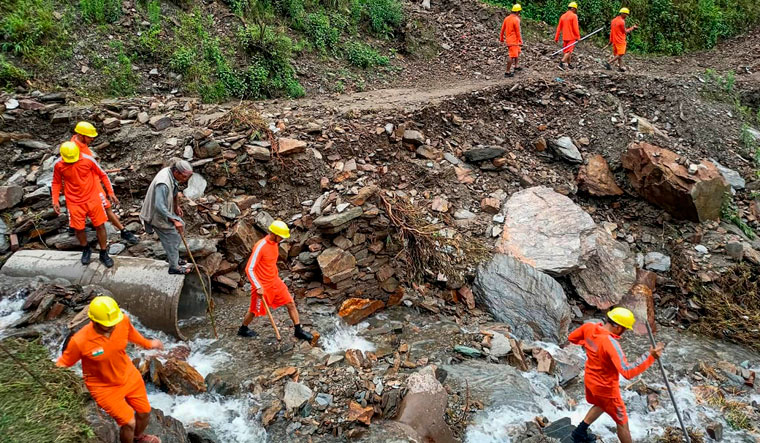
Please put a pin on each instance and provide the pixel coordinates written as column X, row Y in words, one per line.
column 209, row 302
column 271, row 319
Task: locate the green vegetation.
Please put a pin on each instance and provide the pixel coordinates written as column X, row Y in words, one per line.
column 100, row 11
column 385, row 16
column 121, row 80
column 364, row 56
column 10, row 75
column 730, row 213
column 666, row 26
column 321, row 32
column 29, row 30
column 31, row 413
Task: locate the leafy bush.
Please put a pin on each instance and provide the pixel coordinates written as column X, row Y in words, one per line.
column 10, row 75
column 182, row 59
column 294, row 10
column 29, row 29
column 121, row 79
column 154, row 12
column 385, row 16
column 100, row 11
column 321, row 32
column 364, row 56
column 271, row 70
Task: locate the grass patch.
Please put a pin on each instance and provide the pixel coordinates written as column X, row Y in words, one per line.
column 11, row 75
column 321, row 32
column 364, row 56
column 730, row 213
column 31, row 414
column 100, row 11
column 29, row 30
column 122, row 80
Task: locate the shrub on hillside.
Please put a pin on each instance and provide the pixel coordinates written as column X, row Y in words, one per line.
column 364, row 56
column 100, row 11
column 321, row 32
column 271, row 71
column 10, row 75
column 29, row 29
column 385, row 16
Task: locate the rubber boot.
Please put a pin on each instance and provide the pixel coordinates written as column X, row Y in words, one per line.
column 106, row 259
column 86, row 255
column 130, row 237
column 244, row 331
column 303, row 335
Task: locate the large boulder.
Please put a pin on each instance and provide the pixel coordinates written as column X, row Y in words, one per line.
column 659, row 176
column 354, row 310
column 334, row 223
column 609, row 273
column 336, row 265
column 239, row 241
column 424, row 407
column 179, row 378
column 10, row 196
column 597, row 179
column 548, row 231
column 166, row 427
column 532, row 303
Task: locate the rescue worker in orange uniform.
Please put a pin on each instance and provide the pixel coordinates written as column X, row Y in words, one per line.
column 113, row 381
column 85, row 133
column 604, row 361
column 511, row 35
column 568, row 27
column 618, row 34
column 266, row 283
column 79, row 175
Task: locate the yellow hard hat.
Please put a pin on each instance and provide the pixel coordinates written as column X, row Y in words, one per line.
column 279, row 228
column 86, row 128
column 625, row 11
column 69, row 152
column 622, row 316
column 516, row 7
column 573, row 5
column 104, row 311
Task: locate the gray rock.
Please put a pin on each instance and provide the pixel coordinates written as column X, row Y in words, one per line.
column 166, row 427
column 735, row 250
column 414, row 137
column 323, row 400
column 187, row 153
column 500, row 345
column 116, row 248
column 529, row 301
column 389, row 128
column 258, row 153
column 33, row 145
column 18, row 178
column 656, row 261
column 463, row 214
column 11, row 104
column 229, row 210
column 468, row 351
column 200, row 247
column 335, row 222
column 10, row 196
column 143, row 117
column 451, row 158
column 548, row 231
column 37, row 195
column 196, row 186
column 4, row 228
column 701, row 249
column 263, row 220
column 609, row 273
column 296, row 395
column 494, row 384
column 160, row 122
column 483, row 154
column 566, row 149
column 732, row 177
column 4, row 243
column 61, row 117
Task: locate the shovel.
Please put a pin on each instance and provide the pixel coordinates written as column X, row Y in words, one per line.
column 667, row 384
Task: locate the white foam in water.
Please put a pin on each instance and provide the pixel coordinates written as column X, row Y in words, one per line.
column 10, row 310
column 345, row 337
column 228, row 417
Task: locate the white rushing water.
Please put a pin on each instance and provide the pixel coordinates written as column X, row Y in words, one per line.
column 10, row 310
column 343, row 337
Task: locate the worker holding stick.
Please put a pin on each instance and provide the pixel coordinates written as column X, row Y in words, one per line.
column 618, row 35
column 267, row 289
column 568, row 27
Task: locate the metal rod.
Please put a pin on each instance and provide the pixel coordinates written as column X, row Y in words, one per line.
column 667, row 384
column 209, row 302
column 578, row 41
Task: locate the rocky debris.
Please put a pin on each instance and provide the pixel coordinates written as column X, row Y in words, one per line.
column 238, row 243
column 490, row 205
column 477, row 155
column 657, row 261
column 733, row 178
column 177, row 377
column 336, row 265
column 529, row 301
column 10, row 196
column 160, row 122
column 659, row 176
column 196, row 186
column 354, row 310
column 566, row 149
column 548, row 231
column 440, row 204
column 334, row 223
column 467, row 351
column 735, row 250
column 412, row 137
column 715, row 431
column 596, row 178
column 166, row 427
column 289, row 146
column 296, row 395
column 641, row 302
column 424, row 407
column 609, row 273
column 357, row 413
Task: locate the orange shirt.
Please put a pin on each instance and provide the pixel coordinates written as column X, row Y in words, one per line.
column 605, row 360
column 80, row 180
column 83, row 148
column 510, row 30
column 104, row 359
column 617, row 31
column 568, row 27
column 262, row 265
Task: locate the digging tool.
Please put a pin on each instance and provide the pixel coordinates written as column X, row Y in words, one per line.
column 578, row 41
column 271, row 319
column 667, row 385
column 114, row 171
column 210, row 308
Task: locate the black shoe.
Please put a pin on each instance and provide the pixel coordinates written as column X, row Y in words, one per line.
column 86, row 256
column 303, row 335
column 561, row 66
column 243, row 331
column 130, row 237
column 582, row 437
column 519, row 68
column 106, row 259
column 569, row 66
column 607, row 66
column 509, row 74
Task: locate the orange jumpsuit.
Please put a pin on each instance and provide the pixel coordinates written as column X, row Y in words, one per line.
column 510, row 33
column 604, row 361
column 84, row 149
column 568, row 27
column 112, row 379
column 80, row 181
column 617, row 35
column 263, row 273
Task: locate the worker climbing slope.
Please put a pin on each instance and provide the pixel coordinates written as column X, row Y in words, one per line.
column 618, row 36
column 568, row 27
column 113, row 381
column 266, row 283
column 605, row 361
column 85, row 133
column 512, row 36
column 79, row 175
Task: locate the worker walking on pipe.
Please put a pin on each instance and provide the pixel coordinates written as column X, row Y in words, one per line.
column 265, row 281
column 161, row 212
column 605, row 360
column 85, row 133
column 512, row 36
column 618, row 35
column 113, row 381
column 78, row 175
column 568, row 27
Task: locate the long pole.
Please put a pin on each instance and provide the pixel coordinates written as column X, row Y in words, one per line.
column 667, row 385
column 209, row 307
column 578, row 41
column 271, row 319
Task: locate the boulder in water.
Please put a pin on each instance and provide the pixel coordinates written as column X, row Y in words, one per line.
column 424, row 407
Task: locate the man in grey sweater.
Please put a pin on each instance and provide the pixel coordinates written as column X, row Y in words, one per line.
column 161, row 212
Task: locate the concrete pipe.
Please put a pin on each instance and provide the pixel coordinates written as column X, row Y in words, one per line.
column 142, row 286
